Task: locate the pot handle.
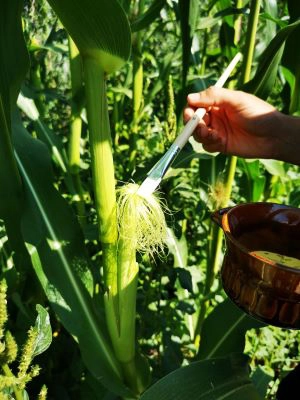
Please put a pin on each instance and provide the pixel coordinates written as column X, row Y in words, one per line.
column 217, row 216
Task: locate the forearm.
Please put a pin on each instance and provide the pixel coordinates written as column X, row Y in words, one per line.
column 289, row 143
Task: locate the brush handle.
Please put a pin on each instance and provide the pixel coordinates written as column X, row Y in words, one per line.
column 189, row 128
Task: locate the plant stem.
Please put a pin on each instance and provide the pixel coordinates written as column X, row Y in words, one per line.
column 101, row 151
column 18, row 393
column 120, row 267
column 295, row 102
column 216, row 235
column 137, row 92
column 250, row 40
column 37, row 83
column 104, row 186
column 238, row 23
column 75, row 128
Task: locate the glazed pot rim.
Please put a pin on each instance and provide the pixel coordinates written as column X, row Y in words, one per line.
column 223, row 222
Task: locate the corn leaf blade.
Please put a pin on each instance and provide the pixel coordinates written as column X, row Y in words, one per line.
column 14, row 64
column 99, row 28
column 218, row 379
column 263, row 81
column 149, row 16
column 60, row 261
column 224, row 331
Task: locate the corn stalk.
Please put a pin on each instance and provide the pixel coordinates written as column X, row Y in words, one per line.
column 76, row 127
column 103, row 51
column 215, row 234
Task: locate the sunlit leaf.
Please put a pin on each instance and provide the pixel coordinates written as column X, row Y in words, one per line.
column 274, row 167
column 43, row 327
column 99, row 28
column 263, row 82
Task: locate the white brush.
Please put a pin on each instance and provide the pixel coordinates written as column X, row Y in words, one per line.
column 156, row 174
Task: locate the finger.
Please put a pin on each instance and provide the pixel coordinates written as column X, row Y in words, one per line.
column 201, row 132
column 213, row 96
column 215, row 147
column 188, row 112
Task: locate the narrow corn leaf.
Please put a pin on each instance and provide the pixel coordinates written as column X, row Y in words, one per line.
column 149, row 16
column 217, row 379
column 52, row 141
column 13, row 53
column 224, row 331
column 99, row 28
column 263, row 81
column 291, row 58
column 14, row 64
column 60, row 260
column 189, row 12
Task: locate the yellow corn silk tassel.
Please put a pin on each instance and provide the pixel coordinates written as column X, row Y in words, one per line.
column 141, row 220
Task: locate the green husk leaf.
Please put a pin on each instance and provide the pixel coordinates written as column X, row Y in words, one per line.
column 99, row 28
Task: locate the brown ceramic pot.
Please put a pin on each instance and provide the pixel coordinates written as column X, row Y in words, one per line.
column 266, row 289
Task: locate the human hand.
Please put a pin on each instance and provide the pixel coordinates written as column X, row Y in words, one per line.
column 236, row 123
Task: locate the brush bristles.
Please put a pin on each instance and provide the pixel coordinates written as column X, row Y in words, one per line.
column 141, row 220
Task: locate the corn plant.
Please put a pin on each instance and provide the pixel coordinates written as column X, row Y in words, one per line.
column 131, row 312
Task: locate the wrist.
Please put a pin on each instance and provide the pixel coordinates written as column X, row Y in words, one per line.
column 288, row 139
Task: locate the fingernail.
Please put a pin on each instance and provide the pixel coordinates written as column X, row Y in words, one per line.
column 194, row 97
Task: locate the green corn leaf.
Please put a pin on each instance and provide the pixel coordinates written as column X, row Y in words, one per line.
column 291, row 58
column 58, row 254
column 274, row 167
column 14, row 64
column 256, row 180
column 263, row 81
column 217, row 379
column 126, row 5
column 52, row 141
column 99, row 28
column 44, row 337
column 188, row 13
column 224, row 331
column 13, row 53
column 270, row 7
column 261, row 379
column 149, row 16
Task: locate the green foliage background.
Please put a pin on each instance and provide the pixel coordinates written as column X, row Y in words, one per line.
column 177, row 47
